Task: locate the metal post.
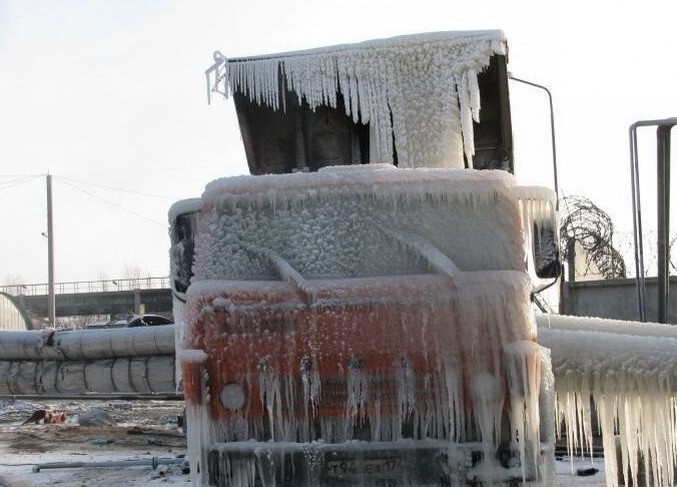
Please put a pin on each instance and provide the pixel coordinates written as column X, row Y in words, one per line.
column 637, row 224
column 562, row 284
column 663, row 224
column 51, row 302
column 663, row 210
column 571, row 253
column 552, row 129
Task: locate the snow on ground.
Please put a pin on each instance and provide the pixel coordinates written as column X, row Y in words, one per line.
column 565, row 472
column 139, row 430
column 16, row 470
column 21, row 475
column 142, row 430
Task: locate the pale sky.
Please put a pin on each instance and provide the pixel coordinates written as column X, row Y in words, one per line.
column 110, row 98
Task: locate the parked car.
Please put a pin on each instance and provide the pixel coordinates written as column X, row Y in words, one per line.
column 132, row 320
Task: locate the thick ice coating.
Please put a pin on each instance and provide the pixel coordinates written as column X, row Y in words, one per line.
column 369, row 303
column 357, row 223
column 629, row 370
column 420, row 90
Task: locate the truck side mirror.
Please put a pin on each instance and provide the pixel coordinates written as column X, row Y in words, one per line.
column 540, row 220
column 546, row 252
column 183, row 246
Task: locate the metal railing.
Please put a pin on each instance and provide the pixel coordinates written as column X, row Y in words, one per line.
column 74, row 287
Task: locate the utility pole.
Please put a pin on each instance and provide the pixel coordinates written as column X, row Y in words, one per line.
column 51, row 301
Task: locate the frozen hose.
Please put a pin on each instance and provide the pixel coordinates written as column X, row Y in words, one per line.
column 152, row 462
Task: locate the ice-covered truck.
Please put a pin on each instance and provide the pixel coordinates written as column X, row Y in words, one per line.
column 357, row 311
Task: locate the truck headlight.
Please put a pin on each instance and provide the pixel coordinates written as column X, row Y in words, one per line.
column 232, row 396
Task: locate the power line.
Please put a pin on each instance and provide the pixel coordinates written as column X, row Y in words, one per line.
column 139, row 215
column 18, row 180
column 122, row 190
column 21, row 175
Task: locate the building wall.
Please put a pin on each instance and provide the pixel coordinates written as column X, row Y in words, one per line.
column 11, row 317
column 616, row 299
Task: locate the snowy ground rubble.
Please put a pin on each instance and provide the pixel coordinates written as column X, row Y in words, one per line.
column 119, row 431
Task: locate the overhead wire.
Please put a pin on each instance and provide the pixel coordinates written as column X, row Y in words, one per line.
column 115, row 188
column 18, row 179
column 105, row 200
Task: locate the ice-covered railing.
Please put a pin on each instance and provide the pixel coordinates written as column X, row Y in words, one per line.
column 419, row 90
column 629, row 370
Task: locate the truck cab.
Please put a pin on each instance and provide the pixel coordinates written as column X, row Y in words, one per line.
column 357, row 310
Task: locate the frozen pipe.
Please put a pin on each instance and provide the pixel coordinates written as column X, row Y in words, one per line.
column 609, row 356
column 28, row 345
column 587, row 324
column 153, row 462
column 120, row 375
column 96, row 396
column 86, row 344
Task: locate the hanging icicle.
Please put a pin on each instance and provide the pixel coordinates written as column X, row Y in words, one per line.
column 420, row 91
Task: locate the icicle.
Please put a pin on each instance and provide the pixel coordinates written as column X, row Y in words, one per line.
column 628, row 370
column 524, row 367
column 270, row 394
column 384, row 77
column 466, row 118
column 474, row 91
column 488, row 397
column 357, row 385
column 312, row 384
column 406, row 388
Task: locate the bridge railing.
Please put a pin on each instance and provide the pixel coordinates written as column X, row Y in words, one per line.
column 74, row 287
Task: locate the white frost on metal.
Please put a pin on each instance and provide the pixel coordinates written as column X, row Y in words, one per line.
column 338, row 223
column 86, row 344
column 420, row 91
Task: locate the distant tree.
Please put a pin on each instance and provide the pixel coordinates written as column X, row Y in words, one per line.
column 77, row 322
column 15, row 284
column 134, row 271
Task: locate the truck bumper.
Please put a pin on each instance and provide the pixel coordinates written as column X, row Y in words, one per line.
column 364, row 463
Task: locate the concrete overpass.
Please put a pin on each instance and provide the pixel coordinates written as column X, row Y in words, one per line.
column 607, row 299
column 120, row 296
